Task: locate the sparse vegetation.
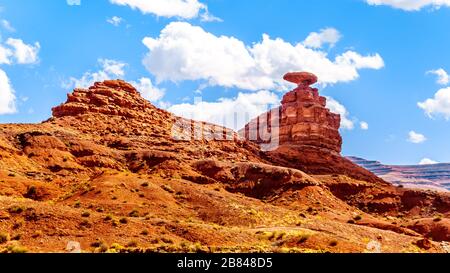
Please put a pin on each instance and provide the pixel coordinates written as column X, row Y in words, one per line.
column 4, row 237
column 132, row 244
column 85, row 214
column 77, row 204
column 37, row 234
column 31, row 193
column 168, row 189
column 15, row 209
column 333, row 243
column 134, row 213
column 145, row 184
column 123, row 220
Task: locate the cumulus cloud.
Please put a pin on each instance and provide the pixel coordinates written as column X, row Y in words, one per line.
column 187, row 52
column 232, row 113
column 338, row 108
column 187, row 9
column 110, row 69
column 416, row 138
column 326, row 36
column 115, row 20
column 410, row 5
column 364, row 125
column 7, row 97
column 439, row 105
column 24, row 53
column 5, row 55
column 73, row 2
column 148, row 90
column 442, row 76
column 427, row 161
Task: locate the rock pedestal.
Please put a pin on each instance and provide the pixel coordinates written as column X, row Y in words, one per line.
column 304, row 119
column 305, row 134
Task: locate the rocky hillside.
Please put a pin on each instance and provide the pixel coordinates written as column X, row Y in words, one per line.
column 433, row 176
column 110, row 172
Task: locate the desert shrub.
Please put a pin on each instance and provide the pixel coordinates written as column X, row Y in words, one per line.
column 31, row 193
column 437, row 218
column 86, row 214
column 123, row 220
column 145, row 232
column 132, row 244
column 77, row 204
column 303, row 238
column 18, row 224
column 357, row 218
column 145, row 184
column 16, row 248
column 167, row 240
column 85, row 223
column 167, row 188
column 108, row 217
column 134, row 213
column 15, row 209
column 37, row 234
column 4, row 237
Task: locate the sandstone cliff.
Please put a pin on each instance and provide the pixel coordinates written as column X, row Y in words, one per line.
column 117, row 174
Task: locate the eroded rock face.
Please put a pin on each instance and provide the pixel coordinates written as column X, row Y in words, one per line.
column 304, row 119
column 113, row 97
column 305, row 133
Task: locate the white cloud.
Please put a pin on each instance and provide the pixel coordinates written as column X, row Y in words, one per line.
column 148, row 90
column 7, row 25
column 24, row 53
column 416, row 138
column 73, row 2
column 110, row 69
column 208, row 17
column 7, row 97
column 115, row 21
column 326, row 36
column 187, row 9
column 364, row 125
column 439, row 105
column 338, row 108
column 410, row 5
column 442, row 76
column 186, row 52
column 232, row 113
column 5, row 55
column 427, row 161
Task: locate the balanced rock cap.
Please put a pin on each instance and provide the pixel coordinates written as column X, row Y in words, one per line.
column 301, row 78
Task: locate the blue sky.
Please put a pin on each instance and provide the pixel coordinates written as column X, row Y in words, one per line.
column 374, row 58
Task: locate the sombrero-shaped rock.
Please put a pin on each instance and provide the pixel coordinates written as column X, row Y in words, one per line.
column 301, row 78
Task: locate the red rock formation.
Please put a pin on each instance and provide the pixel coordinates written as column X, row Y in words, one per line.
column 113, row 97
column 307, row 133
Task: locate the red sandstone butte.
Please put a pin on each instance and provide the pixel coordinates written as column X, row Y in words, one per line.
column 308, row 132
